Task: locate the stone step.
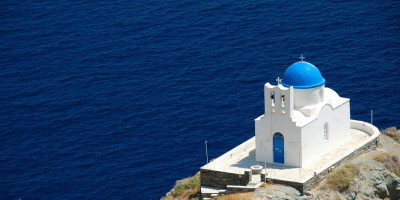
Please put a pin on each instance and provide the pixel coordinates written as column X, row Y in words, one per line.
column 209, row 192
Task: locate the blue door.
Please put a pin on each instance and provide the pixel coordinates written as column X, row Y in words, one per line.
column 279, row 150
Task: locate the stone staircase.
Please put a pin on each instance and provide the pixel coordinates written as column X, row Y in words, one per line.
column 254, row 183
column 210, row 192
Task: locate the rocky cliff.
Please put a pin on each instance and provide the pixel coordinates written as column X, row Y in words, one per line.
column 377, row 176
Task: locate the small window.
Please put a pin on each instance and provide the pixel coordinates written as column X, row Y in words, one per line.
column 326, row 132
column 283, row 100
column 273, row 98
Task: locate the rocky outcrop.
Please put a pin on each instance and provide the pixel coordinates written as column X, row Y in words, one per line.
column 375, row 181
column 381, row 183
column 277, row 192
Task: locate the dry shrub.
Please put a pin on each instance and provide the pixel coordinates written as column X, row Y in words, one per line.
column 187, row 188
column 187, row 184
column 342, row 177
column 391, row 162
column 337, row 197
column 196, row 190
column 393, row 133
column 324, row 186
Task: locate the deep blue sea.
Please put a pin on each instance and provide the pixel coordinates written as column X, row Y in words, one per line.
column 114, row 99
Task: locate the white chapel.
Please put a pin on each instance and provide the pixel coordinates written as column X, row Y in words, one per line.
column 303, row 119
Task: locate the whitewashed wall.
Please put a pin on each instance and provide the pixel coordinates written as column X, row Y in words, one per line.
column 312, row 135
column 306, row 97
column 304, row 141
column 277, row 118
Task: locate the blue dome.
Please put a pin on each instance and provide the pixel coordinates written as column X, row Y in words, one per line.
column 302, row 75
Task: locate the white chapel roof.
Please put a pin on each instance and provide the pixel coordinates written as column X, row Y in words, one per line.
column 304, row 115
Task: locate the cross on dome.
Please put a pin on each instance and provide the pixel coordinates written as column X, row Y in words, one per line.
column 302, row 58
column 278, row 80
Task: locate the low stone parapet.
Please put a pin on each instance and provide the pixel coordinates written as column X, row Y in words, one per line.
column 218, row 179
column 214, row 175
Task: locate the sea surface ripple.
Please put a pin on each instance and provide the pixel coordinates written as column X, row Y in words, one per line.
column 114, row 99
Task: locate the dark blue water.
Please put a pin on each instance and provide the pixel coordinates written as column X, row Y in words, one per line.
column 114, row 99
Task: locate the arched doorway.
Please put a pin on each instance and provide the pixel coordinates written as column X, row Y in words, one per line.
column 279, row 148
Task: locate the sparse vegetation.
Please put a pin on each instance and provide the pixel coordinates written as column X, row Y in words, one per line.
column 342, row 177
column 342, row 181
column 391, row 162
column 324, row 186
column 393, row 133
column 238, row 196
column 188, row 188
column 337, row 197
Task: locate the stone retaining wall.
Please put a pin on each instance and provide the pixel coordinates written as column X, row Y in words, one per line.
column 320, row 176
column 298, row 186
column 232, row 189
column 218, row 179
column 303, row 187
